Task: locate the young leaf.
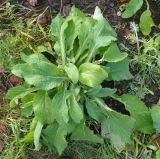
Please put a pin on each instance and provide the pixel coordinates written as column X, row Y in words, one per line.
column 132, row 7
column 113, row 54
column 94, row 111
column 43, row 108
column 92, row 74
column 139, row 112
column 55, row 27
column 37, row 134
column 43, row 75
column 82, row 132
column 84, row 36
column 146, row 22
column 75, row 111
column 155, row 113
column 72, row 72
column 119, row 71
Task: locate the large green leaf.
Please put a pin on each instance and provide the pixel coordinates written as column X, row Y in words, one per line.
column 119, row 71
column 120, row 125
column 94, row 111
column 91, row 74
column 114, row 122
column 139, row 112
column 155, row 113
column 146, row 22
column 72, row 72
column 113, row 54
column 82, row 132
column 43, row 108
column 54, row 136
column 43, row 75
column 60, row 107
column 132, row 7
column 75, row 111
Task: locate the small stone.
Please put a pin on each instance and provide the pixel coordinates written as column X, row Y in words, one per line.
column 112, row 4
column 119, row 13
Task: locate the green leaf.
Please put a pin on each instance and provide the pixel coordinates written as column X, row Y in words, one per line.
column 139, row 111
column 114, row 122
column 84, row 36
column 46, row 47
column 54, row 136
column 132, row 7
column 94, row 111
column 43, row 75
column 119, row 71
column 119, row 124
column 34, row 58
column 72, row 72
column 27, row 105
column 37, row 134
column 101, row 92
column 113, row 54
column 43, row 108
column 146, row 22
column 99, row 42
column 60, row 107
column 155, row 113
column 92, row 74
column 27, row 109
column 82, row 132
column 18, row 92
column 75, row 111
column 56, row 26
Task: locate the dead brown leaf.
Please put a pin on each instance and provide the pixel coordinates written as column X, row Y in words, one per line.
column 14, row 80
